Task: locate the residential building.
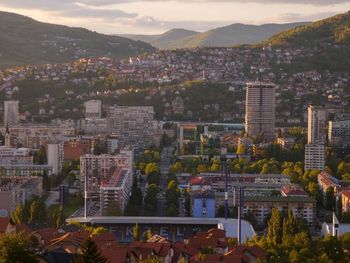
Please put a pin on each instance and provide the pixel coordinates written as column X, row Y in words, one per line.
column 345, row 201
column 339, row 133
column 24, row 169
column 203, row 205
column 326, row 181
column 133, row 126
column 93, row 109
column 10, row 156
column 302, row 207
column 55, row 156
column 117, row 189
column 98, row 168
column 314, row 156
column 260, row 110
column 112, row 144
column 11, row 112
column 316, row 125
column 74, row 148
column 286, row 143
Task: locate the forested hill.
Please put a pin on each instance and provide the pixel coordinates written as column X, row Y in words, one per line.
column 333, row 30
column 26, row 41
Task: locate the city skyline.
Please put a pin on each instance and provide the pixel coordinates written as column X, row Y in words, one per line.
column 154, row 17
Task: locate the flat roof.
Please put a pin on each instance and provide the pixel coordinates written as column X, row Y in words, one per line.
column 150, row 220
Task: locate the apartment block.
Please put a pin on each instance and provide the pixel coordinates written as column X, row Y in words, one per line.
column 260, row 110
column 133, row 126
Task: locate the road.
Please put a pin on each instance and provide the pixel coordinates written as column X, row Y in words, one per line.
column 52, row 198
column 165, row 159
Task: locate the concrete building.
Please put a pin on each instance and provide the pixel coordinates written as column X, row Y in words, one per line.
column 55, row 156
column 93, row 109
column 97, row 168
column 11, row 112
column 24, row 169
column 16, row 191
column 314, row 156
column 116, row 189
column 345, row 201
column 112, row 144
column 203, row 205
column 133, row 126
column 74, row 148
column 13, row 156
column 260, row 110
column 316, row 125
column 339, row 133
column 302, row 207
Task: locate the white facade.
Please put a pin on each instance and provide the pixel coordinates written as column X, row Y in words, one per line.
column 93, row 109
column 112, row 145
column 97, row 168
column 316, row 124
column 55, row 156
column 10, row 112
column 260, row 110
column 116, row 189
column 314, row 156
column 15, row 156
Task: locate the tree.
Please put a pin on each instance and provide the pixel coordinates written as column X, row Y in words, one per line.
column 136, row 232
column 15, row 248
column 274, row 230
column 90, row 253
column 58, row 217
column 330, row 199
column 17, row 215
column 241, row 149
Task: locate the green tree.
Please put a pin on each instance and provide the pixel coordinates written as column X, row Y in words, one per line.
column 18, row 215
column 16, row 248
column 274, row 230
column 58, row 217
column 90, row 253
column 136, row 232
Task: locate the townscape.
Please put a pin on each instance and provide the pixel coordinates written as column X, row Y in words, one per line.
column 208, row 154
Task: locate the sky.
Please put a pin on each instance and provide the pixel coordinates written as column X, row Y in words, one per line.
column 154, row 16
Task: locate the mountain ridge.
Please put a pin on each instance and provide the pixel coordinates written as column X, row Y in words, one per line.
column 24, row 40
column 227, row 36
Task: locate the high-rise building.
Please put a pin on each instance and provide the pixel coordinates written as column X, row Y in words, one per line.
column 314, row 156
column 314, row 149
column 260, row 110
column 316, row 124
column 10, row 112
column 93, row 109
column 55, row 156
column 339, row 133
column 132, row 126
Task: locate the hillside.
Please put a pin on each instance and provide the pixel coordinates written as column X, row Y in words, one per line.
column 232, row 35
column 26, row 41
column 165, row 40
column 326, row 42
column 333, row 30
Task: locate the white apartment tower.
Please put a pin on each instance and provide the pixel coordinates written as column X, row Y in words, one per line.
column 260, row 110
column 314, row 156
column 134, row 126
column 315, row 149
column 93, row 109
column 316, row 123
column 10, row 111
column 55, row 156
